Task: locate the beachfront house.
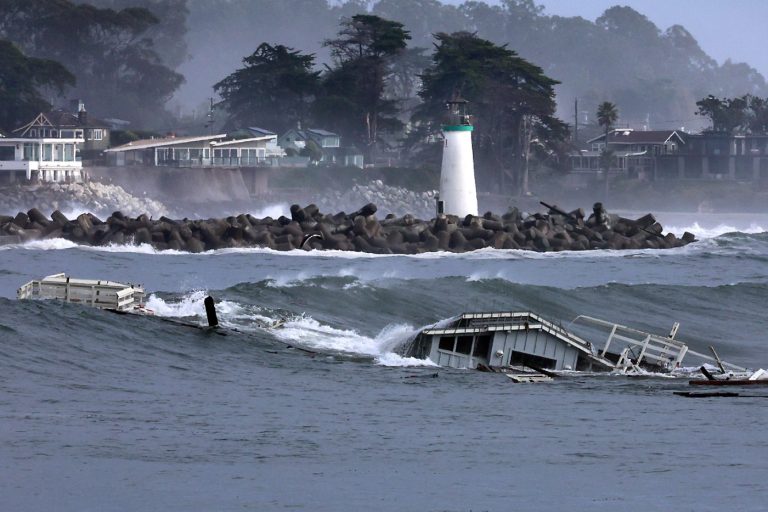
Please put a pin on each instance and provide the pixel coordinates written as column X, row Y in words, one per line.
column 77, row 123
column 296, row 140
column 635, row 152
column 273, row 149
column 42, row 150
column 193, row 151
column 719, row 156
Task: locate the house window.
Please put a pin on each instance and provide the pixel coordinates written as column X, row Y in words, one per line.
column 97, row 134
column 79, row 134
column 69, row 152
column 31, row 152
column 225, row 156
column 47, row 152
column 249, row 156
column 7, row 153
column 54, row 133
column 33, row 133
column 67, row 134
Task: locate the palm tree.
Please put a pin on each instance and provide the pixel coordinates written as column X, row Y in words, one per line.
column 607, row 114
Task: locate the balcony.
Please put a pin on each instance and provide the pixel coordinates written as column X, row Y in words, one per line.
column 215, row 162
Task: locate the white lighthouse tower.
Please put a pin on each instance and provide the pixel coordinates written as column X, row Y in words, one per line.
column 458, row 195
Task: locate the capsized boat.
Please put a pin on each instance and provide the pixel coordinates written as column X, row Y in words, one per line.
column 525, row 340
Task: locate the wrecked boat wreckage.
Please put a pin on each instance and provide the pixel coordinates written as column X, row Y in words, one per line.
column 522, row 345
column 97, row 293
column 529, row 348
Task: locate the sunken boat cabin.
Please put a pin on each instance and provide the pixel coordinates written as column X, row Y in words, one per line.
column 501, row 339
column 523, row 340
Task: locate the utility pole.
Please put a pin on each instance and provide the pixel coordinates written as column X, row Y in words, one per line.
column 209, row 123
column 576, row 121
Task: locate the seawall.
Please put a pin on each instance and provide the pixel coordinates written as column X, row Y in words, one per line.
column 308, row 229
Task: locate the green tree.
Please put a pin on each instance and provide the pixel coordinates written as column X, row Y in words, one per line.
column 354, row 100
column 514, row 103
column 21, row 79
column 405, row 71
column 607, row 115
column 758, row 115
column 312, row 150
column 727, row 115
column 118, row 70
column 274, row 89
column 654, row 75
column 168, row 34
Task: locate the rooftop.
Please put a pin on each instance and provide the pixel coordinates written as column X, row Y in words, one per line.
column 630, row 136
column 166, row 141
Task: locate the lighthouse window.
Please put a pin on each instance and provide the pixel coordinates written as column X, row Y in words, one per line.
column 446, row 343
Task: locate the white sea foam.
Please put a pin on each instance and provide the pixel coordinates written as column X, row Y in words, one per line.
column 392, row 359
column 75, row 210
column 309, row 333
column 720, row 229
column 273, row 210
column 192, row 305
column 289, row 280
column 302, row 331
column 480, row 254
column 53, row 244
column 189, row 305
column 58, row 244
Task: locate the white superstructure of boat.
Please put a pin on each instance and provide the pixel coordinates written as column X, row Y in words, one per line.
column 102, row 294
column 495, row 340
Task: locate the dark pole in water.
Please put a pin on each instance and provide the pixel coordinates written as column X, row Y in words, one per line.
column 210, row 312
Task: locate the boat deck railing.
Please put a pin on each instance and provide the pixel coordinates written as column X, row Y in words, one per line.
column 643, row 347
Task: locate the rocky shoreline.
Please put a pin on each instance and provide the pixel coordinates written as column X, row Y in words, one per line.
column 361, row 231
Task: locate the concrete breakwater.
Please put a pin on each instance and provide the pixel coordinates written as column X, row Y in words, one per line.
column 308, row 228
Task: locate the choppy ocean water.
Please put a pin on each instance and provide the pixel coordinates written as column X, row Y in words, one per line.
column 111, row 413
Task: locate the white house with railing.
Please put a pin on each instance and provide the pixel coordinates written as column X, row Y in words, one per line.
column 196, row 151
column 53, row 158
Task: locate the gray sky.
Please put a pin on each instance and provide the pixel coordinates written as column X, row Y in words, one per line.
column 724, row 28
